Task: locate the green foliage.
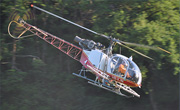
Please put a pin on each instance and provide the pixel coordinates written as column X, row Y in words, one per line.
column 4, row 51
column 12, row 79
column 37, row 63
column 144, row 70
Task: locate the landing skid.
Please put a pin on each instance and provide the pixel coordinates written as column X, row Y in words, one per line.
column 115, row 89
column 107, row 88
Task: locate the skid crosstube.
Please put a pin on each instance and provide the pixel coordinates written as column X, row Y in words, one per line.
column 64, row 46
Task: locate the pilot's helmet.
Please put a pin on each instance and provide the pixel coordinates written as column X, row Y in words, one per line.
column 124, row 63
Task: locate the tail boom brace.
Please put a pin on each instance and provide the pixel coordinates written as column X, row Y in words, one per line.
column 64, row 46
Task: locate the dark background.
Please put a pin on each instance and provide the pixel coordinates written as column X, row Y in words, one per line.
column 35, row 75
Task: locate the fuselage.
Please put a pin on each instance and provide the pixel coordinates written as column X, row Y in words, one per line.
column 110, row 65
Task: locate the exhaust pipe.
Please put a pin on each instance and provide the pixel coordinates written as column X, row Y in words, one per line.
column 78, row 39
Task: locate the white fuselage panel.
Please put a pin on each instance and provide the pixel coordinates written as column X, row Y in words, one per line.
column 97, row 58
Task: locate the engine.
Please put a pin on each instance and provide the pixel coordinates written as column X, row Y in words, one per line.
column 88, row 44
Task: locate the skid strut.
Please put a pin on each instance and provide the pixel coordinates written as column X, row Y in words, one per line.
column 83, row 71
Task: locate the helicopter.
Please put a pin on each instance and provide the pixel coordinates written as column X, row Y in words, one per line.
column 113, row 72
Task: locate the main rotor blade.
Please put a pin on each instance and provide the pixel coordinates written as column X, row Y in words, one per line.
column 32, row 5
column 135, row 51
column 145, row 46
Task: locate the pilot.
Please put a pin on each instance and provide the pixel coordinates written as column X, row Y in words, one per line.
column 122, row 69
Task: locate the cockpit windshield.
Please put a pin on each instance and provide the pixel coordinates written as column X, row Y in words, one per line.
column 125, row 68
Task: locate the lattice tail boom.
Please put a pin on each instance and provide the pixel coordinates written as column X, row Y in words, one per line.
column 64, row 46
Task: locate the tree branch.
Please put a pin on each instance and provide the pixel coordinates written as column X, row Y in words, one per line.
column 32, row 56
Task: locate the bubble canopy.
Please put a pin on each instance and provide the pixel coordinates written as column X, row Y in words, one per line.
column 126, row 68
